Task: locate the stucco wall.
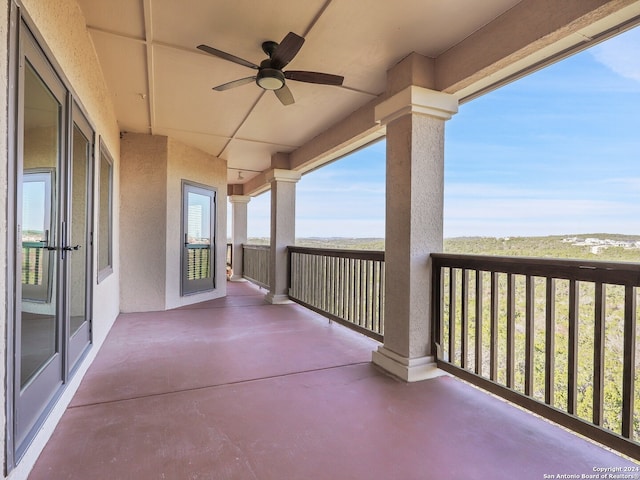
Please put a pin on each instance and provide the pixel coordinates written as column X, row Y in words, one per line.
column 143, row 222
column 61, row 29
column 152, row 169
column 188, row 163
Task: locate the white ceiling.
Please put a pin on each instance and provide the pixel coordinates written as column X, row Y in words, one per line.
column 161, row 83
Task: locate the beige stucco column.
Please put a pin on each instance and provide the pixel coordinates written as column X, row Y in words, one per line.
column 283, row 230
column 238, row 233
column 414, row 120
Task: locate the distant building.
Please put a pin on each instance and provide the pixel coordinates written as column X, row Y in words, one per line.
column 195, row 222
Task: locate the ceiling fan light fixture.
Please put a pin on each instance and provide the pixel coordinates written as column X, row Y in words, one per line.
column 270, row 79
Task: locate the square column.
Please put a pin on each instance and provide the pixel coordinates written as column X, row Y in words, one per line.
column 238, row 233
column 283, row 230
column 414, row 120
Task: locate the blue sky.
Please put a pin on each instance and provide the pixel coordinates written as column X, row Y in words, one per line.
column 557, row 152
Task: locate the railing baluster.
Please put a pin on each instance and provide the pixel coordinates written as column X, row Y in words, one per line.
column 629, row 362
column 479, row 305
column 325, row 284
column 452, row 315
column 493, row 352
column 363, row 293
column 377, row 294
column 343, row 286
column 39, row 257
column 332, row 286
column 464, row 318
column 352, row 291
column 438, row 310
column 371, row 290
column 336, row 285
column 550, row 342
column 293, row 278
column 383, row 281
column 511, row 320
column 572, row 367
column 314, row 279
column 529, row 336
column 320, row 272
column 26, row 269
column 598, row 354
column 317, row 280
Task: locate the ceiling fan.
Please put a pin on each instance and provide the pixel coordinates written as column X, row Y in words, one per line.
column 270, row 75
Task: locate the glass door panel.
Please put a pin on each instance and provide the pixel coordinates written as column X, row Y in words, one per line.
column 79, row 248
column 39, row 318
column 39, row 314
column 198, row 250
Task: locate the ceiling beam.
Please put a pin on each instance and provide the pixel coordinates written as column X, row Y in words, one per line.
column 534, row 32
column 148, row 37
column 316, row 18
column 240, row 124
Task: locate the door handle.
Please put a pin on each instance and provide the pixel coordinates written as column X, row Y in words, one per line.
column 68, row 248
column 45, row 242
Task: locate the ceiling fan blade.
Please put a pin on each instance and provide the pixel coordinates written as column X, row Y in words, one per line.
column 287, row 49
column 284, row 95
column 314, row 77
column 235, row 83
column 227, row 56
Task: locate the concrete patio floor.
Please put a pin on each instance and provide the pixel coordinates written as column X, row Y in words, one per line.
column 238, row 389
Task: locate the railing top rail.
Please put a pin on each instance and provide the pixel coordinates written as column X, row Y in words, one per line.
column 622, row 273
column 256, row 247
column 376, row 255
column 33, row 244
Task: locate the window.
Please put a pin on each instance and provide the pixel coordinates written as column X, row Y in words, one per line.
column 105, row 214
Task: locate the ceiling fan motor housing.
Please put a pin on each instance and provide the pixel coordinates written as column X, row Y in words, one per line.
column 270, row 78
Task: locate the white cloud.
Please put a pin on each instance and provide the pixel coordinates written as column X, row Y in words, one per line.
column 620, row 54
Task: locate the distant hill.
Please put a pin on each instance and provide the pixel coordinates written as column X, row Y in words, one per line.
column 592, row 246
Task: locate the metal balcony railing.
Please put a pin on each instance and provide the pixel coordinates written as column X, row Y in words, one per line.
column 32, row 263
column 344, row 285
column 255, row 264
column 198, row 261
column 558, row 337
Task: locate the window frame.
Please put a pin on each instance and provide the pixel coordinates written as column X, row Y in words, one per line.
column 194, row 287
column 104, row 270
